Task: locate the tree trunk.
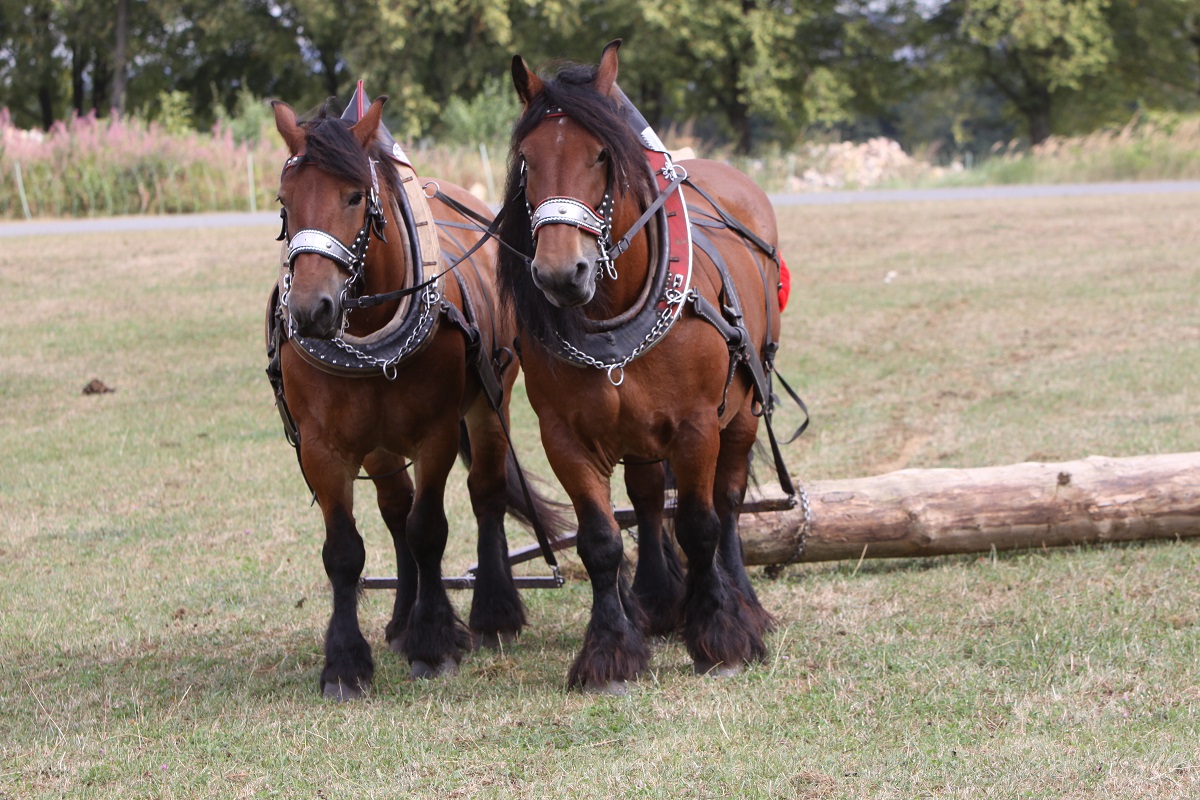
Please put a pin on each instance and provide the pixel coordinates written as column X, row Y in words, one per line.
column 1039, row 125
column 120, row 57
column 935, row 512
column 78, row 90
column 329, row 73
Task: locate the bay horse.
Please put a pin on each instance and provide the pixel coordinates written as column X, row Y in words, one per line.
column 643, row 339
column 368, row 383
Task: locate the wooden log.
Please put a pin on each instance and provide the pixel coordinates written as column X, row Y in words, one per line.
column 930, row 512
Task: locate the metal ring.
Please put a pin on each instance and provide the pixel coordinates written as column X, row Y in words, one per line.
column 610, row 374
column 436, row 188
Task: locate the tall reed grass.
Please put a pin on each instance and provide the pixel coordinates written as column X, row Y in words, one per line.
column 87, row 167
column 91, row 167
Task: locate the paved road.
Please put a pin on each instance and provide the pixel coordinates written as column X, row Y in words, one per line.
column 269, row 220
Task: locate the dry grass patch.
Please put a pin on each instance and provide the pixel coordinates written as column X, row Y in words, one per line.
column 163, row 600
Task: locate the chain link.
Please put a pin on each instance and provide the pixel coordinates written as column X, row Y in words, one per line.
column 429, row 298
column 805, row 524
column 668, row 316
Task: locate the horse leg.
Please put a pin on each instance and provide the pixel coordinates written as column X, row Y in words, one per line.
column 733, row 466
column 718, row 631
column 658, row 579
column 394, row 492
column 348, row 665
column 497, row 613
column 614, row 648
column 435, row 637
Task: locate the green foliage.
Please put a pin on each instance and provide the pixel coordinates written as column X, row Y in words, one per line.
column 173, row 113
column 753, row 75
column 486, row 117
column 248, row 120
column 1056, row 43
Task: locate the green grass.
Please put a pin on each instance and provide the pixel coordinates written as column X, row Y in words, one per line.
column 162, row 601
column 1154, row 148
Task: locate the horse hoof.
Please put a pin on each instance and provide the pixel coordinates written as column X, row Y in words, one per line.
column 612, row 688
column 718, row 669
column 492, row 641
column 423, row 669
column 341, row 692
column 396, row 646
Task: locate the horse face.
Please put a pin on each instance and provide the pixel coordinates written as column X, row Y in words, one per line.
column 565, row 161
column 318, row 201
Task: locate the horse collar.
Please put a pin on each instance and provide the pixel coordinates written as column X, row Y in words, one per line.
column 613, row 345
column 383, row 351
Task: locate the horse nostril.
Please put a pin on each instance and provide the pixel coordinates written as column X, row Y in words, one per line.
column 324, row 310
column 582, row 267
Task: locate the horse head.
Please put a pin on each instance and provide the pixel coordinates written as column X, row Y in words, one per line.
column 330, row 192
column 577, row 155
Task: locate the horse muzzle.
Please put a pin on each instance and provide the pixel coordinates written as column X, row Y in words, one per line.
column 315, row 304
column 565, row 285
column 564, row 265
column 318, row 319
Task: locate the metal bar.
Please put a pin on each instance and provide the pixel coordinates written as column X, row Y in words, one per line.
column 468, row 581
column 626, row 518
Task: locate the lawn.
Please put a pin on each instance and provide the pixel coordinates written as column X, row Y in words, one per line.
column 163, row 603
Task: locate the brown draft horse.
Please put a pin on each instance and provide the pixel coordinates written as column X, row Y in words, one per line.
column 579, row 180
column 339, row 190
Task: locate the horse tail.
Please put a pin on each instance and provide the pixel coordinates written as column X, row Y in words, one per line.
column 555, row 517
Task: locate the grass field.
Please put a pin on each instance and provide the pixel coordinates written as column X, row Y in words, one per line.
column 162, row 600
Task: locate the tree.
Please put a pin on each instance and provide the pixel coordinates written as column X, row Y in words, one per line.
column 1034, row 52
column 33, row 72
column 739, row 59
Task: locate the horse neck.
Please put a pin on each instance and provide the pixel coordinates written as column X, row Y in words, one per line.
column 635, row 264
column 386, row 270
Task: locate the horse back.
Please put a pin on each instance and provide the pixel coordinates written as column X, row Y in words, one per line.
column 752, row 271
column 474, row 287
column 737, row 194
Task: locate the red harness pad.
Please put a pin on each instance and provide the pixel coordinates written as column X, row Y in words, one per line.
column 785, row 283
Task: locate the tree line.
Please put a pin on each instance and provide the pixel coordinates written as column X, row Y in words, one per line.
column 748, row 73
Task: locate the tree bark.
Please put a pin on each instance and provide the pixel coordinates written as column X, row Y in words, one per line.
column 1039, row 125
column 943, row 511
column 120, row 57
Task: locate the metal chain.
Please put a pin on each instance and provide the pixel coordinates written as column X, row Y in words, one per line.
column 429, row 298
column 668, row 316
column 805, row 523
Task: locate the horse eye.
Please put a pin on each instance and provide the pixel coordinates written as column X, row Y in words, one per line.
column 602, row 158
column 356, row 198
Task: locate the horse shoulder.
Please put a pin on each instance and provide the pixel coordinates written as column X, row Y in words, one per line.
column 740, row 196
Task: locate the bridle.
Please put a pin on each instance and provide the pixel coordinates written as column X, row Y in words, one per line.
column 560, row 210
column 352, row 259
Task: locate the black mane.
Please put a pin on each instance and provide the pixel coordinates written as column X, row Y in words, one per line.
column 332, row 148
column 570, row 90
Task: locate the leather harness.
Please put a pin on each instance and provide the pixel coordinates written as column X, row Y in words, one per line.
column 679, row 227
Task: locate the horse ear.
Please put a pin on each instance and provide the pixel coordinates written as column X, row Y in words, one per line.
column 285, row 123
column 526, row 81
column 606, row 73
column 364, row 130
